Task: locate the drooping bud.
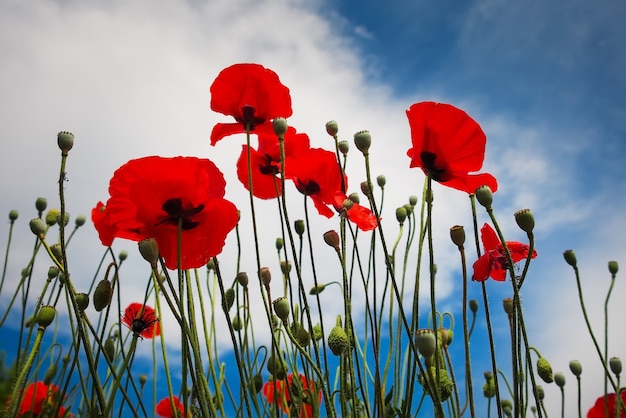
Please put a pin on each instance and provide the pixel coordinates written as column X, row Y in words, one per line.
column 282, row 308
column 57, row 251
column 280, row 127
column 299, row 227
column 143, row 379
column 53, row 272
column 457, row 234
column 229, row 298
column 50, row 374
column 544, row 370
column 280, row 243
column 257, row 383
column 38, row 227
column 242, row 278
column 576, row 368
column 211, row 264
column 616, row 365
column 266, row 276
column 65, row 140
column 82, row 300
column 149, row 250
column 559, row 379
column 365, row 188
column 316, row 290
column 613, row 267
column 484, row 195
column 277, row 366
column 344, row 147
column 123, row 255
column 109, row 348
column 409, row 209
column 41, row 204
column 473, row 305
column 412, row 200
column 570, row 257
column 13, row 214
column 540, row 392
column 80, row 221
column 332, row 239
column 338, row 341
column 525, row 220
column 381, row 181
column 317, row 332
column 301, row 334
column 507, row 305
column 489, row 388
column 332, row 128
column 401, row 214
column 102, row 295
column 363, row 140
column 45, row 316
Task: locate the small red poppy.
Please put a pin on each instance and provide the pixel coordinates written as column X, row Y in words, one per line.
column 265, row 161
column 164, row 408
column 142, row 320
column 252, row 94
column 448, row 144
column 493, row 262
column 153, row 196
column 319, row 177
column 276, row 392
column 361, row 216
column 597, row 410
column 40, row 399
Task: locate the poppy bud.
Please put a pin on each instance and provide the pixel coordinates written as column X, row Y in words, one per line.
column 507, row 304
column 280, row 243
column 82, row 300
column 266, row 276
column 13, row 214
column 299, row 227
column 280, row 127
column 257, row 383
column 616, row 365
column 576, row 368
column 210, row 265
column 41, row 204
column 344, row 147
column 544, row 370
column 38, row 227
column 409, row 209
column 149, row 250
column 317, row 332
column 53, row 272
column 316, row 290
column 281, row 307
column 484, row 196
column 559, row 379
column 457, row 234
column 80, row 221
column 540, row 393
column 332, row 239
column 354, row 197
column 285, row 267
column 302, row 336
column 412, row 200
column 381, row 181
column 277, row 367
column 102, row 295
column 50, row 374
column 347, row 204
column 366, row 189
column 401, row 214
column 57, row 252
column 52, row 216
column 525, row 220
column 363, row 140
column 338, row 341
column 426, row 344
column 613, row 267
column 109, row 348
column 473, row 305
column 489, row 389
column 45, row 316
column 237, row 324
column 229, row 298
column 242, row 278
column 143, row 379
column 123, row 255
column 570, row 257
column 332, row 128
column 65, row 140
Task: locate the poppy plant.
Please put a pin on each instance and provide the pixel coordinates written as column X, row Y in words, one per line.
column 250, row 93
column 142, row 320
column 361, row 216
column 164, row 408
column 277, row 393
column 597, row 410
column 156, row 197
column 448, row 145
column 265, row 161
column 493, row 262
column 40, row 399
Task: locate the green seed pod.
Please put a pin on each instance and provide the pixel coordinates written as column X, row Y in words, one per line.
column 570, row 257
column 229, row 298
column 576, row 368
column 347, row 204
column 412, row 200
column 544, row 370
column 45, row 316
column 540, row 393
column 280, row 127
column 332, row 128
column 13, row 214
column 123, row 255
column 457, row 234
column 302, row 336
column 365, row 188
column 65, row 140
column 525, row 220
column 285, row 267
column 280, row 243
column 143, row 379
column 332, row 239
column 426, row 343
column 102, row 295
column 613, row 267
column 507, row 305
column 109, row 348
column 363, row 140
column 344, row 147
column 338, row 341
column 80, row 221
column 282, row 308
column 381, row 181
column 211, row 264
column 41, row 204
column 53, row 272
column 559, row 379
column 401, row 214
column 82, row 300
column 489, row 389
column 38, row 227
column 354, row 197
column 266, row 276
column 409, row 209
column 484, row 195
column 473, row 305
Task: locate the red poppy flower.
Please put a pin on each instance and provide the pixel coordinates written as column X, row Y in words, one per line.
column 142, row 320
column 493, row 262
column 265, row 161
column 449, row 145
column 318, row 175
column 164, row 408
column 362, row 217
column 597, row 411
column 151, row 196
column 107, row 231
column 276, row 392
column 40, row 399
column 252, row 94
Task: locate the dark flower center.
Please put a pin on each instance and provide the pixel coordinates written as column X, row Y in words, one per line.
column 307, row 188
column 247, row 117
column 174, row 208
column 268, row 168
column 430, row 164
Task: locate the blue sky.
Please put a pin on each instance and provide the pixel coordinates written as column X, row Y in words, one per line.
column 545, row 81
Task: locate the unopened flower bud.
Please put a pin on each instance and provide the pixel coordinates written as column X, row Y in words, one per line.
column 109, row 348
column 316, row 290
column 210, row 265
column 484, row 195
column 540, row 393
column 52, row 216
column 317, row 332
column 613, row 267
column 363, row 140
column 149, row 250
column 354, row 197
column 38, row 227
column 570, row 257
column 280, row 127
column 57, row 251
column 457, row 234
column 45, row 316
column 616, row 365
column 266, row 276
column 143, row 379
column 344, row 147
column 401, row 214
column 365, row 189
column 102, row 295
column 285, row 267
column 53, row 272
column 123, row 255
column 80, row 221
column 507, row 304
column 559, row 379
column 332, row 128
column 229, row 298
column 473, row 305
column 13, row 214
column 257, row 383
column 412, row 200
column 82, row 300
column 332, row 239
column 426, row 343
column 50, row 374
column 381, row 181
column 280, row 243
column 41, row 204
column 576, row 368
column 409, row 209
column 65, row 140
column 525, row 220
column 544, row 370
column 489, row 389
column 299, row 227
column 237, row 323
column 242, row 278
column 338, row 341
column 282, row 309
column 277, row 367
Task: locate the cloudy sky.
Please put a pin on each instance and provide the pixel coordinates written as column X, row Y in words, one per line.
column 546, row 83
